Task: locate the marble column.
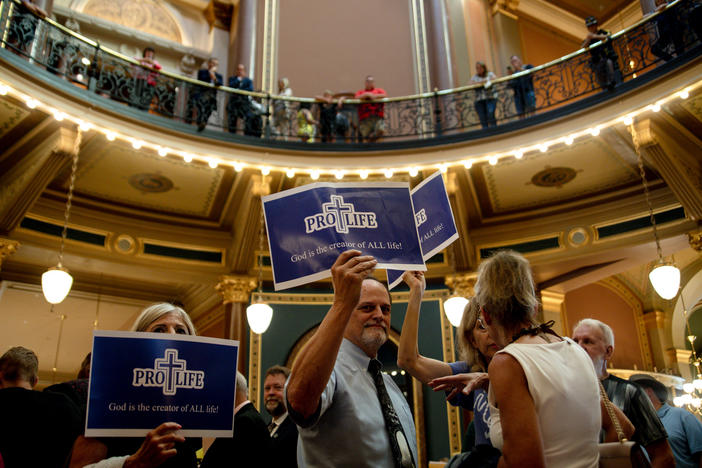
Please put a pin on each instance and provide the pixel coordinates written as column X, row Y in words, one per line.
column 506, row 39
column 235, row 291
column 439, row 45
column 244, row 50
column 553, row 305
column 661, row 341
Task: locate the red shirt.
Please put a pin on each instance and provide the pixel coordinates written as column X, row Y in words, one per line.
column 370, row 109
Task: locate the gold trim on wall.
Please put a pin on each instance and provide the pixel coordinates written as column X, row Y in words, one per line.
column 621, row 290
column 453, row 412
column 254, row 368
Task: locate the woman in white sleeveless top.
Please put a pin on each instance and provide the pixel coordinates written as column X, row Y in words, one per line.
column 544, row 396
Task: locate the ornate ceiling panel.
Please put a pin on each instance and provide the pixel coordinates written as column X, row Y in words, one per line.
column 118, row 174
column 10, row 116
column 559, row 175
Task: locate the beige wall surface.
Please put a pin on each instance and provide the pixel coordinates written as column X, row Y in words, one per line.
column 334, row 44
column 541, row 45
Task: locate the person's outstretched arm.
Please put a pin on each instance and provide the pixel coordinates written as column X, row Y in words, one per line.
column 420, row 367
column 315, row 363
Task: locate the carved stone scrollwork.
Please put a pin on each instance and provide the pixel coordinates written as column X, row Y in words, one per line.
column 235, row 288
column 188, row 64
column 461, row 283
column 7, row 248
column 695, row 239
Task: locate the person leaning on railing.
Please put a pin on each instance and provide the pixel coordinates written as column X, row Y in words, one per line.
column 485, row 98
column 603, row 59
column 203, row 100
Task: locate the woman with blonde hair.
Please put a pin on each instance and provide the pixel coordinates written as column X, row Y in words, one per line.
column 465, row 380
column 163, row 446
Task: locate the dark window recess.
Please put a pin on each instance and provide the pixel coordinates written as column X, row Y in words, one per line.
column 524, row 247
column 55, row 230
column 640, row 223
column 186, row 254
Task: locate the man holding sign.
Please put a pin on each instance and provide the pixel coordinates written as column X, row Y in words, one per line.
column 348, row 412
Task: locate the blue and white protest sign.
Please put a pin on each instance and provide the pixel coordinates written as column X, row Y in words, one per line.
column 308, row 227
column 141, row 380
column 434, row 218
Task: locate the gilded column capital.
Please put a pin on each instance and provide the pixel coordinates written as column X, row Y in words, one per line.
column 504, row 6
column 7, row 248
column 645, row 133
column 695, row 239
column 461, row 283
column 235, row 288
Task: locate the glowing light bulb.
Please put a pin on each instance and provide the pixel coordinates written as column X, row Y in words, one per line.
column 4, row 89
column 363, row 174
column 265, row 170
column 468, row 164
column 569, row 140
column 628, row 120
column 136, row 144
column 111, row 136
column 519, row 154
column 388, row 173
column 85, row 61
column 162, row 151
column 492, row 160
column 238, row 167
column 314, row 174
column 594, row 131
column 85, row 126
column 212, row 163
column 684, row 94
column 290, row 173
column 443, row 168
column 543, row 147
column 413, row 172
column 187, row 157
column 656, row 107
column 32, row 103
column 339, row 175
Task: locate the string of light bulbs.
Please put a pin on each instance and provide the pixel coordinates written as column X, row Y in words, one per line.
column 315, row 173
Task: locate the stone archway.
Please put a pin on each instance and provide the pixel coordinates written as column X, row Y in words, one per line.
column 149, row 16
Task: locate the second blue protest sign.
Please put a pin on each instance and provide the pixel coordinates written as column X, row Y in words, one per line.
column 308, row 227
column 434, row 219
column 140, row 380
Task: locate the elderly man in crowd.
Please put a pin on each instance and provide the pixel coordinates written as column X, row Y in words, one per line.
column 597, row 339
column 684, row 429
column 283, row 430
column 349, row 414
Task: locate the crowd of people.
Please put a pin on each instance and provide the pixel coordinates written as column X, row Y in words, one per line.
column 538, row 399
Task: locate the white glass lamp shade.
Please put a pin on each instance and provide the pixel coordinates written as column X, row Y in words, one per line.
column 259, row 316
column 56, row 283
column 454, row 306
column 665, row 279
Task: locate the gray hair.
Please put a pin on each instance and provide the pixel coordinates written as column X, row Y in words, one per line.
column 241, row 386
column 466, row 351
column 607, row 332
column 156, row 311
column 505, row 288
column 19, row 363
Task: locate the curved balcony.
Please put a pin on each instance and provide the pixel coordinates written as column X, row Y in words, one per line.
column 108, row 82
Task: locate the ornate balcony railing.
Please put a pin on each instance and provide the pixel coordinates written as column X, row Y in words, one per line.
column 667, row 37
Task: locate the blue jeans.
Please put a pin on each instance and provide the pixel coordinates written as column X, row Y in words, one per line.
column 486, row 112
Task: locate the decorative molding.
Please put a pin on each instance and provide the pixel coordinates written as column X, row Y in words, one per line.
column 695, row 240
column 328, row 298
column 621, row 290
column 462, row 284
column 235, row 288
column 553, row 305
column 655, row 319
column 449, row 355
column 7, row 248
column 506, row 7
column 254, row 368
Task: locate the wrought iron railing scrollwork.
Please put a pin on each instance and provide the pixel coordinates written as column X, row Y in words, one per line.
column 667, row 35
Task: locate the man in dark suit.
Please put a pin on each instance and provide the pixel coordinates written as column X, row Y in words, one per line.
column 282, row 429
column 249, row 445
column 239, row 105
column 203, row 100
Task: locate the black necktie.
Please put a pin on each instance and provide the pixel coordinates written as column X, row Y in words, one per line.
column 398, row 441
